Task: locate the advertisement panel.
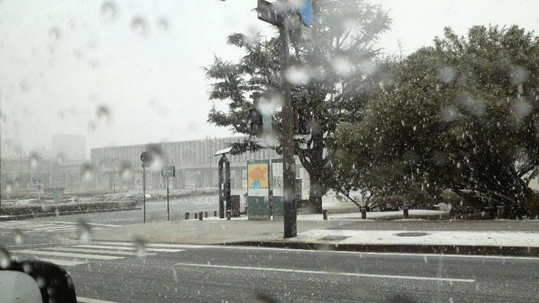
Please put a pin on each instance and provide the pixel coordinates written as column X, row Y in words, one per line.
column 277, row 178
column 258, row 179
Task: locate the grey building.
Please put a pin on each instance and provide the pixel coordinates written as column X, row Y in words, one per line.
column 119, row 167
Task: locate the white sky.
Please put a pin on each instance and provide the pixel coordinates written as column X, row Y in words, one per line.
column 61, row 60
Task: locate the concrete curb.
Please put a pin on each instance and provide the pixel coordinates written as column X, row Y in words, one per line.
column 399, row 248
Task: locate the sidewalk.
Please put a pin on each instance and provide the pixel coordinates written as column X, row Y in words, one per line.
column 345, row 232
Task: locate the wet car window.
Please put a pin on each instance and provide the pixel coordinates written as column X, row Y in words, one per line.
column 272, row 151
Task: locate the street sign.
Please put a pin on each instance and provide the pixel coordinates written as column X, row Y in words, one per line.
column 145, row 157
column 169, row 171
column 306, row 12
column 267, row 12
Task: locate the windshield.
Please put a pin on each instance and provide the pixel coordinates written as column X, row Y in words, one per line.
column 283, row 150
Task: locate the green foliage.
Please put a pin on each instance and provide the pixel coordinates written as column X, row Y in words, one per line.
column 460, row 115
column 341, row 69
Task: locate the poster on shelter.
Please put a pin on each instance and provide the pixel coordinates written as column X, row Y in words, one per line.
column 257, row 179
column 277, row 179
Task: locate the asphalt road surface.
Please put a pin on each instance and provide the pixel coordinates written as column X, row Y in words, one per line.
column 121, row 272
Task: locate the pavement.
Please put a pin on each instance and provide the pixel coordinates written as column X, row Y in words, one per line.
column 345, row 232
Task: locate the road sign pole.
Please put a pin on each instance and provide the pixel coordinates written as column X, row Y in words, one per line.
column 144, row 191
column 168, row 203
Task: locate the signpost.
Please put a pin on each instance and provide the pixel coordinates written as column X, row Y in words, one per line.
column 168, row 171
column 146, row 159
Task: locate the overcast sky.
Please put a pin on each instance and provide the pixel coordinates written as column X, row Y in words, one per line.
column 129, row 72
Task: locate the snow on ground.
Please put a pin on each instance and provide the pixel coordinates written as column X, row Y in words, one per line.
column 520, row 239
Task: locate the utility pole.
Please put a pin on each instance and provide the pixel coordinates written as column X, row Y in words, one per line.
column 289, row 169
column 1, row 183
column 280, row 17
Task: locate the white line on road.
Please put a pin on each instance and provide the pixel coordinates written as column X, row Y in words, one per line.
column 232, row 247
column 131, row 248
column 348, row 274
column 77, row 223
column 64, row 254
column 53, row 228
column 97, row 251
column 88, row 300
column 156, row 245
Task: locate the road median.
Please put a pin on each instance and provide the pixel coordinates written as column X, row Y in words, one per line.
column 47, row 210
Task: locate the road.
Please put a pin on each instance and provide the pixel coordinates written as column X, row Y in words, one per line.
column 113, row 272
column 122, row 272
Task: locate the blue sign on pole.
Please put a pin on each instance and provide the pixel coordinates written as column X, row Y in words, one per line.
column 306, row 12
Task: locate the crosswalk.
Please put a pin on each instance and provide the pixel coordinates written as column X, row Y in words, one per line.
column 79, row 254
column 27, row 226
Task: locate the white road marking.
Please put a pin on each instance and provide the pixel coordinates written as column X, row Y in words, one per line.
column 132, row 248
column 64, row 254
column 98, row 251
column 218, row 246
column 88, row 300
column 156, row 245
column 53, row 228
column 63, row 262
column 91, row 224
column 330, row 273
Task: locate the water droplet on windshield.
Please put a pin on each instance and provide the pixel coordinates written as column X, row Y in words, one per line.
column 91, row 125
column 157, row 158
column 518, row 74
column 28, row 268
column 108, row 10
column 447, row 74
column 138, row 25
column 297, row 75
column 34, row 160
column 341, row 66
column 368, row 67
column 103, row 113
column 18, row 237
column 449, row 113
column 125, row 172
column 521, row 108
column 9, row 187
column 163, row 24
column 5, row 259
column 88, row 172
column 54, row 33
column 140, row 246
column 84, row 232
column 24, row 86
column 41, row 282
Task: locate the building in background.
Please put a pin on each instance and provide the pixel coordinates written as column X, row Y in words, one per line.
column 118, row 168
column 69, row 148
